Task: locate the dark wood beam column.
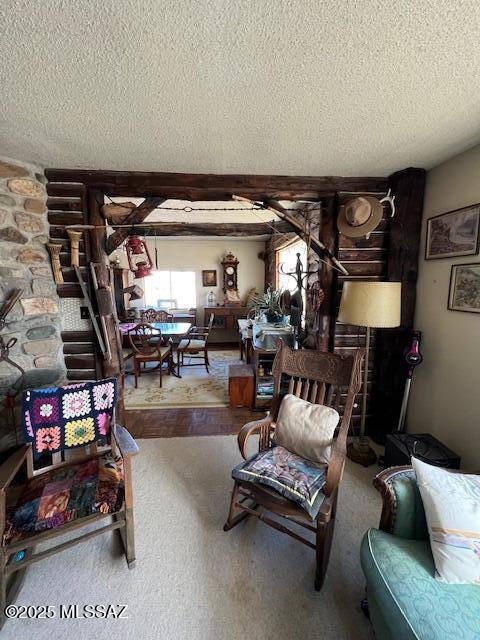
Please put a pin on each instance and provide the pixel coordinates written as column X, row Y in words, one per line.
column 328, row 277
column 235, row 229
column 212, row 186
column 404, row 247
column 137, row 216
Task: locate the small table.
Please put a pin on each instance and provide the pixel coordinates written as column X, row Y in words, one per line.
column 241, row 385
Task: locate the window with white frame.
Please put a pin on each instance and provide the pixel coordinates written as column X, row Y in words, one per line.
column 170, row 289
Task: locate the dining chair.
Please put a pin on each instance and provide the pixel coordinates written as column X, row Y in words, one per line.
column 195, row 345
column 147, row 348
column 156, row 315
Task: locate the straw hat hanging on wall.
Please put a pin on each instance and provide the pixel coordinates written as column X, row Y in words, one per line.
column 360, row 216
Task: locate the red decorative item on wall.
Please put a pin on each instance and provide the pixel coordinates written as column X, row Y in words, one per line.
column 138, row 255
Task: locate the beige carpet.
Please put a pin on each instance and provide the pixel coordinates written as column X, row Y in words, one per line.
column 196, row 388
column 192, row 581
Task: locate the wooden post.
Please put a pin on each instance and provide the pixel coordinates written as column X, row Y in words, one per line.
column 312, row 316
column 98, row 237
column 328, row 277
column 408, row 186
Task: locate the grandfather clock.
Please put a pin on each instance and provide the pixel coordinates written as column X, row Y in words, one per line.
column 230, row 269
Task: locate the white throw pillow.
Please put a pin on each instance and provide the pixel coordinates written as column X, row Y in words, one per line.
column 306, row 429
column 452, row 507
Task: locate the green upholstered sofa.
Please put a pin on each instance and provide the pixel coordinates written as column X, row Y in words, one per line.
column 404, row 600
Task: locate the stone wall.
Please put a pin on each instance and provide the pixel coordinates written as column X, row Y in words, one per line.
column 34, row 322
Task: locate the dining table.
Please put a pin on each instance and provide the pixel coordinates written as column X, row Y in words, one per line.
column 170, row 329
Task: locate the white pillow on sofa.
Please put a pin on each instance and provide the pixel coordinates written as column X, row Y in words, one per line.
column 452, row 508
column 306, row 429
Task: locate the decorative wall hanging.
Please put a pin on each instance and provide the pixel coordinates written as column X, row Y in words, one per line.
column 54, row 251
column 464, row 293
column 138, row 255
column 5, row 347
column 209, row 277
column 75, row 237
column 359, row 216
column 453, row 234
column 230, row 272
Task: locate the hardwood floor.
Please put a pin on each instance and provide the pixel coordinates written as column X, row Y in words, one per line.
column 171, row 423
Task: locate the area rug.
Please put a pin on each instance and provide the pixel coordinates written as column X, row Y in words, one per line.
column 193, row 581
column 195, row 389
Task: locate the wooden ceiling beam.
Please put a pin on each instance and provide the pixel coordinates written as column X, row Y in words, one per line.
column 197, row 194
column 212, row 186
column 137, row 216
column 234, row 229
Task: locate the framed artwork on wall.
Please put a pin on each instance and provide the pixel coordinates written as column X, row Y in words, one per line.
column 209, row 278
column 453, row 234
column 464, row 293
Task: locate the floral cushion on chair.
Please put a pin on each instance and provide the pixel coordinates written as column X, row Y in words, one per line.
column 64, row 494
column 295, row 478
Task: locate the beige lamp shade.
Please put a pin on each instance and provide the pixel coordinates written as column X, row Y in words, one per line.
column 371, row 304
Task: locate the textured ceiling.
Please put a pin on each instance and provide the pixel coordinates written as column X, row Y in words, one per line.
column 250, row 86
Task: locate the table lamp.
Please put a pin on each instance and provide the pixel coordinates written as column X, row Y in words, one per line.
column 370, row 305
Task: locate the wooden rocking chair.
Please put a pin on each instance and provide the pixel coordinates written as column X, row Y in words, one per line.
column 320, row 378
column 69, row 486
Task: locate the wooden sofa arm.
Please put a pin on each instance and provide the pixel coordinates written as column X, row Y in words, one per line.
column 10, row 467
column 263, row 427
column 403, row 514
column 126, row 445
column 383, row 484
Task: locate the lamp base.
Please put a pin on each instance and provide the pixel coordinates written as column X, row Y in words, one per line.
column 360, row 451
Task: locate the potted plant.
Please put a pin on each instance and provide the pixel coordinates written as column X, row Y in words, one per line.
column 269, row 304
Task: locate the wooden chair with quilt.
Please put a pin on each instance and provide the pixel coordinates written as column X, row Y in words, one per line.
column 299, row 466
column 148, row 348
column 195, row 345
column 73, row 470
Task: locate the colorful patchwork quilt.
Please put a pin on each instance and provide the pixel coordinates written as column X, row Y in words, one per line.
column 76, row 415
column 290, row 475
column 67, row 493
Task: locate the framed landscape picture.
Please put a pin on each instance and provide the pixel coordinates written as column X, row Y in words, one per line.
column 453, row 234
column 464, row 294
column 209, row 278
